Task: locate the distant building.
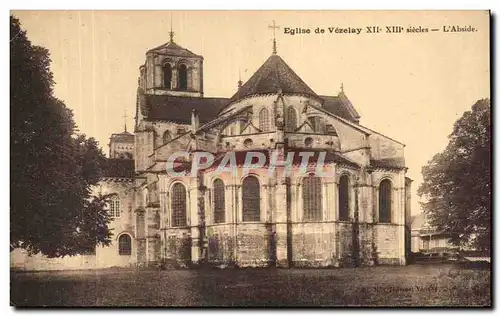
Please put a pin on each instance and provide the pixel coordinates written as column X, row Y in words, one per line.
column 118, row 181
column 425, row 237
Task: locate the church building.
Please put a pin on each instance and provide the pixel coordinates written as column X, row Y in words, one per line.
column 357, row 216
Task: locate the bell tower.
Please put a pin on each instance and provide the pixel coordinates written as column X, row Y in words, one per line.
column 172, row 70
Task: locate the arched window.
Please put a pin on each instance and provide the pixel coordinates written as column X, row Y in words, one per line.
column 384, row 201
column 264, row 120
column 183, row 77
column 114, row 207
column 219, row 202
column 166, row 137
column 312, row 198
column 178, row 205
column 291, row 116
column 251, row 199
column 344, row 198
column 125, row 245
column 167, row 76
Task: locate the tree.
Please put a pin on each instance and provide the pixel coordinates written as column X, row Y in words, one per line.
column 52, row 167
column 457, row 182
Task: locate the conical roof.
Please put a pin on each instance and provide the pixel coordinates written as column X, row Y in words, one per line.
column 274, row 75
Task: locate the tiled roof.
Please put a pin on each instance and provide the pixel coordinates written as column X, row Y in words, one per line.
column 172, row 49
column 118, row 168
column 336, row 106
column 179, row 109
column 123, row 136
column 330, row 157
column 417, row 221
column 181, row 164
column 388, row 163
column 272, row 76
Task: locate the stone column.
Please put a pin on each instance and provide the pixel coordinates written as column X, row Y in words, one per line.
column 193, row 221
column 175, row 74
column 281, row 218
column 158, row 74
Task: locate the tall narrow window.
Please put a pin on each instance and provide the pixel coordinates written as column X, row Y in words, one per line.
column 183, row 77
column 114, row 207
column 166, row 137
column 344, row 198
column 178, row 203
column 125, row 245
column 167, row 76
column 291, row 123
column 219, row 202
column 312, row 198
column 264, row 120
column 384, row 201
column 251, row 199
column 317, row 123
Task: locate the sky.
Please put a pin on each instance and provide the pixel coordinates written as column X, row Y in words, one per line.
column 411, row 87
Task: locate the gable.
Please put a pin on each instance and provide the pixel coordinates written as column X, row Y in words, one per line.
column 306, row 127
column 249, row 129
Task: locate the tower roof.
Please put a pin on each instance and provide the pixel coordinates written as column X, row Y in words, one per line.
column 172, row 49
column 274, row 75
column 123, row 137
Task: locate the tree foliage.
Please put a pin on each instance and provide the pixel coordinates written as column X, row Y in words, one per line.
column 457, row 182
column 52, row 167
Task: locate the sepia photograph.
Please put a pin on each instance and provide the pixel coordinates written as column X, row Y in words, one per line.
column 250, row 158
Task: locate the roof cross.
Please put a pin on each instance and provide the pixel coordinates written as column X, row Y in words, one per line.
column 125, row 119
column 171, row 33
column 274, row 27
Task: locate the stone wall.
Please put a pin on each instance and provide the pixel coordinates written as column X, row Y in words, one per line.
column 389, row 242
column 313, row 244
column 104, row 257
column 252, row 244
column 220, row 244
column 177, row 245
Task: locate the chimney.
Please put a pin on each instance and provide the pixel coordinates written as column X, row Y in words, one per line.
column 195, row 120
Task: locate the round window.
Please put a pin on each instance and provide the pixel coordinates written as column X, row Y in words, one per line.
column 248, row 142
column 308, row 142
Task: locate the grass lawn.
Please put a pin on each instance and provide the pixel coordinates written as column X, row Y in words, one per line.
column 414, row 285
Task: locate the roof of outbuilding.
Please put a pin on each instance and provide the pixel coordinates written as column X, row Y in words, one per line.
column 272, row 76
column 418, row 221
